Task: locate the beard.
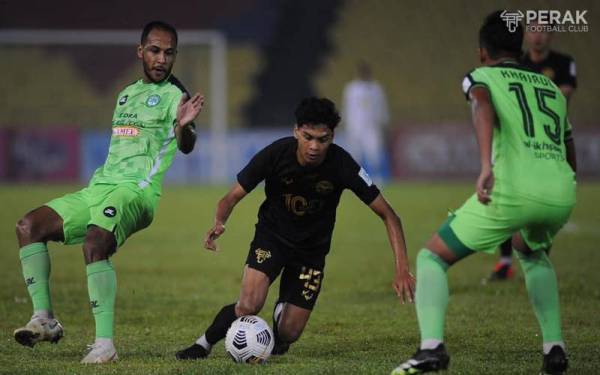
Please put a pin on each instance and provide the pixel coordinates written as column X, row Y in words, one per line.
column 151, row 74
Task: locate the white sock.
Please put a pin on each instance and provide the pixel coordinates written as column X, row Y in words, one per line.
column 430, row 343
column 42, row 314
column 506, row 260
column 549, row 345
column 104, row 341
column 277, row 311
column 203, row 343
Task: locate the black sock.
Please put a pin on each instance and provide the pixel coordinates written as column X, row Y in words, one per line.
column 218, row 328
column 506, row 249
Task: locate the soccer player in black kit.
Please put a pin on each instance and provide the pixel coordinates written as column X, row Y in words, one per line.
column 304, row 178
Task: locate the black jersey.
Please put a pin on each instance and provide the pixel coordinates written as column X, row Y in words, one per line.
column 301, row 202
column 560, row 68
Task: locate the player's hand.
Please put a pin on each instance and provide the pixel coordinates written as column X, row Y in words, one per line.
column 212, row 235
column 188, row 109
column 484, row 186
column 404, row 285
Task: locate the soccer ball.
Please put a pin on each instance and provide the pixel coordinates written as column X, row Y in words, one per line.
column 249, row 340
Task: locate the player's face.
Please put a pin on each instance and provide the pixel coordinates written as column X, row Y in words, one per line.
column 538, row 41
column 158, row 55
column 313, row 142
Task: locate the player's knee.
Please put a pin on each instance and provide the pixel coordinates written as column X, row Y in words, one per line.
column 248, row 306
column 27, row 229
column 99, row 245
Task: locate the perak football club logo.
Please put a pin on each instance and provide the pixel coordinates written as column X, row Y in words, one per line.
column 547, row 20
column 110, row 211
column 512, row 19
column 262, row 255
column 153, row 100
column 123, row 100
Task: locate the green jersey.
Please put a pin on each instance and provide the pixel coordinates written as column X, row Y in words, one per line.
column 529, row 153
column 143, row 145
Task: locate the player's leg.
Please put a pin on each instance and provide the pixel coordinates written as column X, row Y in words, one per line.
column 117, row 212
column 263, row 265
column 541, row 283
column 301, row 282
column 34, row 230
column 62, row 219
column 255, row 286
column 474, row 226
column 503, row 268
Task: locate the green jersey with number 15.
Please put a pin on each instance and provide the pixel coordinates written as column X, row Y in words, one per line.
column 529, row 153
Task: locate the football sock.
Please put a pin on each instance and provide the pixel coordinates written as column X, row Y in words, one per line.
column 102, row 289
column 204, row 343
column 542, row 287
column 431, row 295
column 35, row 263
column 549, row 345
column 430, row 344
column 218, row 328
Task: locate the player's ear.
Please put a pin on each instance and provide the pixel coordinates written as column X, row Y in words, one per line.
column 296, row 131
column 140, row 51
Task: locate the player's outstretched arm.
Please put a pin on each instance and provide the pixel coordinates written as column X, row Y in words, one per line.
column 187, row 110
column 224, row 209
column 404, row 281
column 483, row 115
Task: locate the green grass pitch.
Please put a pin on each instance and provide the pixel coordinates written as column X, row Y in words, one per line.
column 169, row 289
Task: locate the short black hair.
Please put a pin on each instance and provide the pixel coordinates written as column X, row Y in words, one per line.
column 315, row 111
column 157, row 25
column 497, row 39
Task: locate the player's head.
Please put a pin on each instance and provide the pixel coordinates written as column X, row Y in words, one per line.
column 157, row 50
column 496, row 41
column 536, row 39
column 316, row 119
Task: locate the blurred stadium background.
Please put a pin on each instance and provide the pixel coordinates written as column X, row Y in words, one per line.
column 56, row 103
column 57, row 99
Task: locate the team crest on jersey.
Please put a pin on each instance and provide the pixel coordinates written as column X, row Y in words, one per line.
column 123, row 100
column 262, row 255
column 153, row 100
column 125, row 131
column 324, row 187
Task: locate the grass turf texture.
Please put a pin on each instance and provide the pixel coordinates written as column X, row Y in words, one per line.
column 169, row 290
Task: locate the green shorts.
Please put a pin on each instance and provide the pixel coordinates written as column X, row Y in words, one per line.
column 477, row 227
column 121, row 209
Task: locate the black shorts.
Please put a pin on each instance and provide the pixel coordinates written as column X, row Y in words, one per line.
column 302, row 274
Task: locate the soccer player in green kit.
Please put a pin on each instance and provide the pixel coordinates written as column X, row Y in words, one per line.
column 525, row 190
column 152, row 119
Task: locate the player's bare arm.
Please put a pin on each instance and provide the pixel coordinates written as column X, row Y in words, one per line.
column 404, row 281
column 484, row 116
column 224, row 209
column 187, row 110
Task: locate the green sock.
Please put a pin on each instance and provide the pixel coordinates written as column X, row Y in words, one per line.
column 35, row 263
column 431, row 295
column 542, row 287
column 102, row 288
